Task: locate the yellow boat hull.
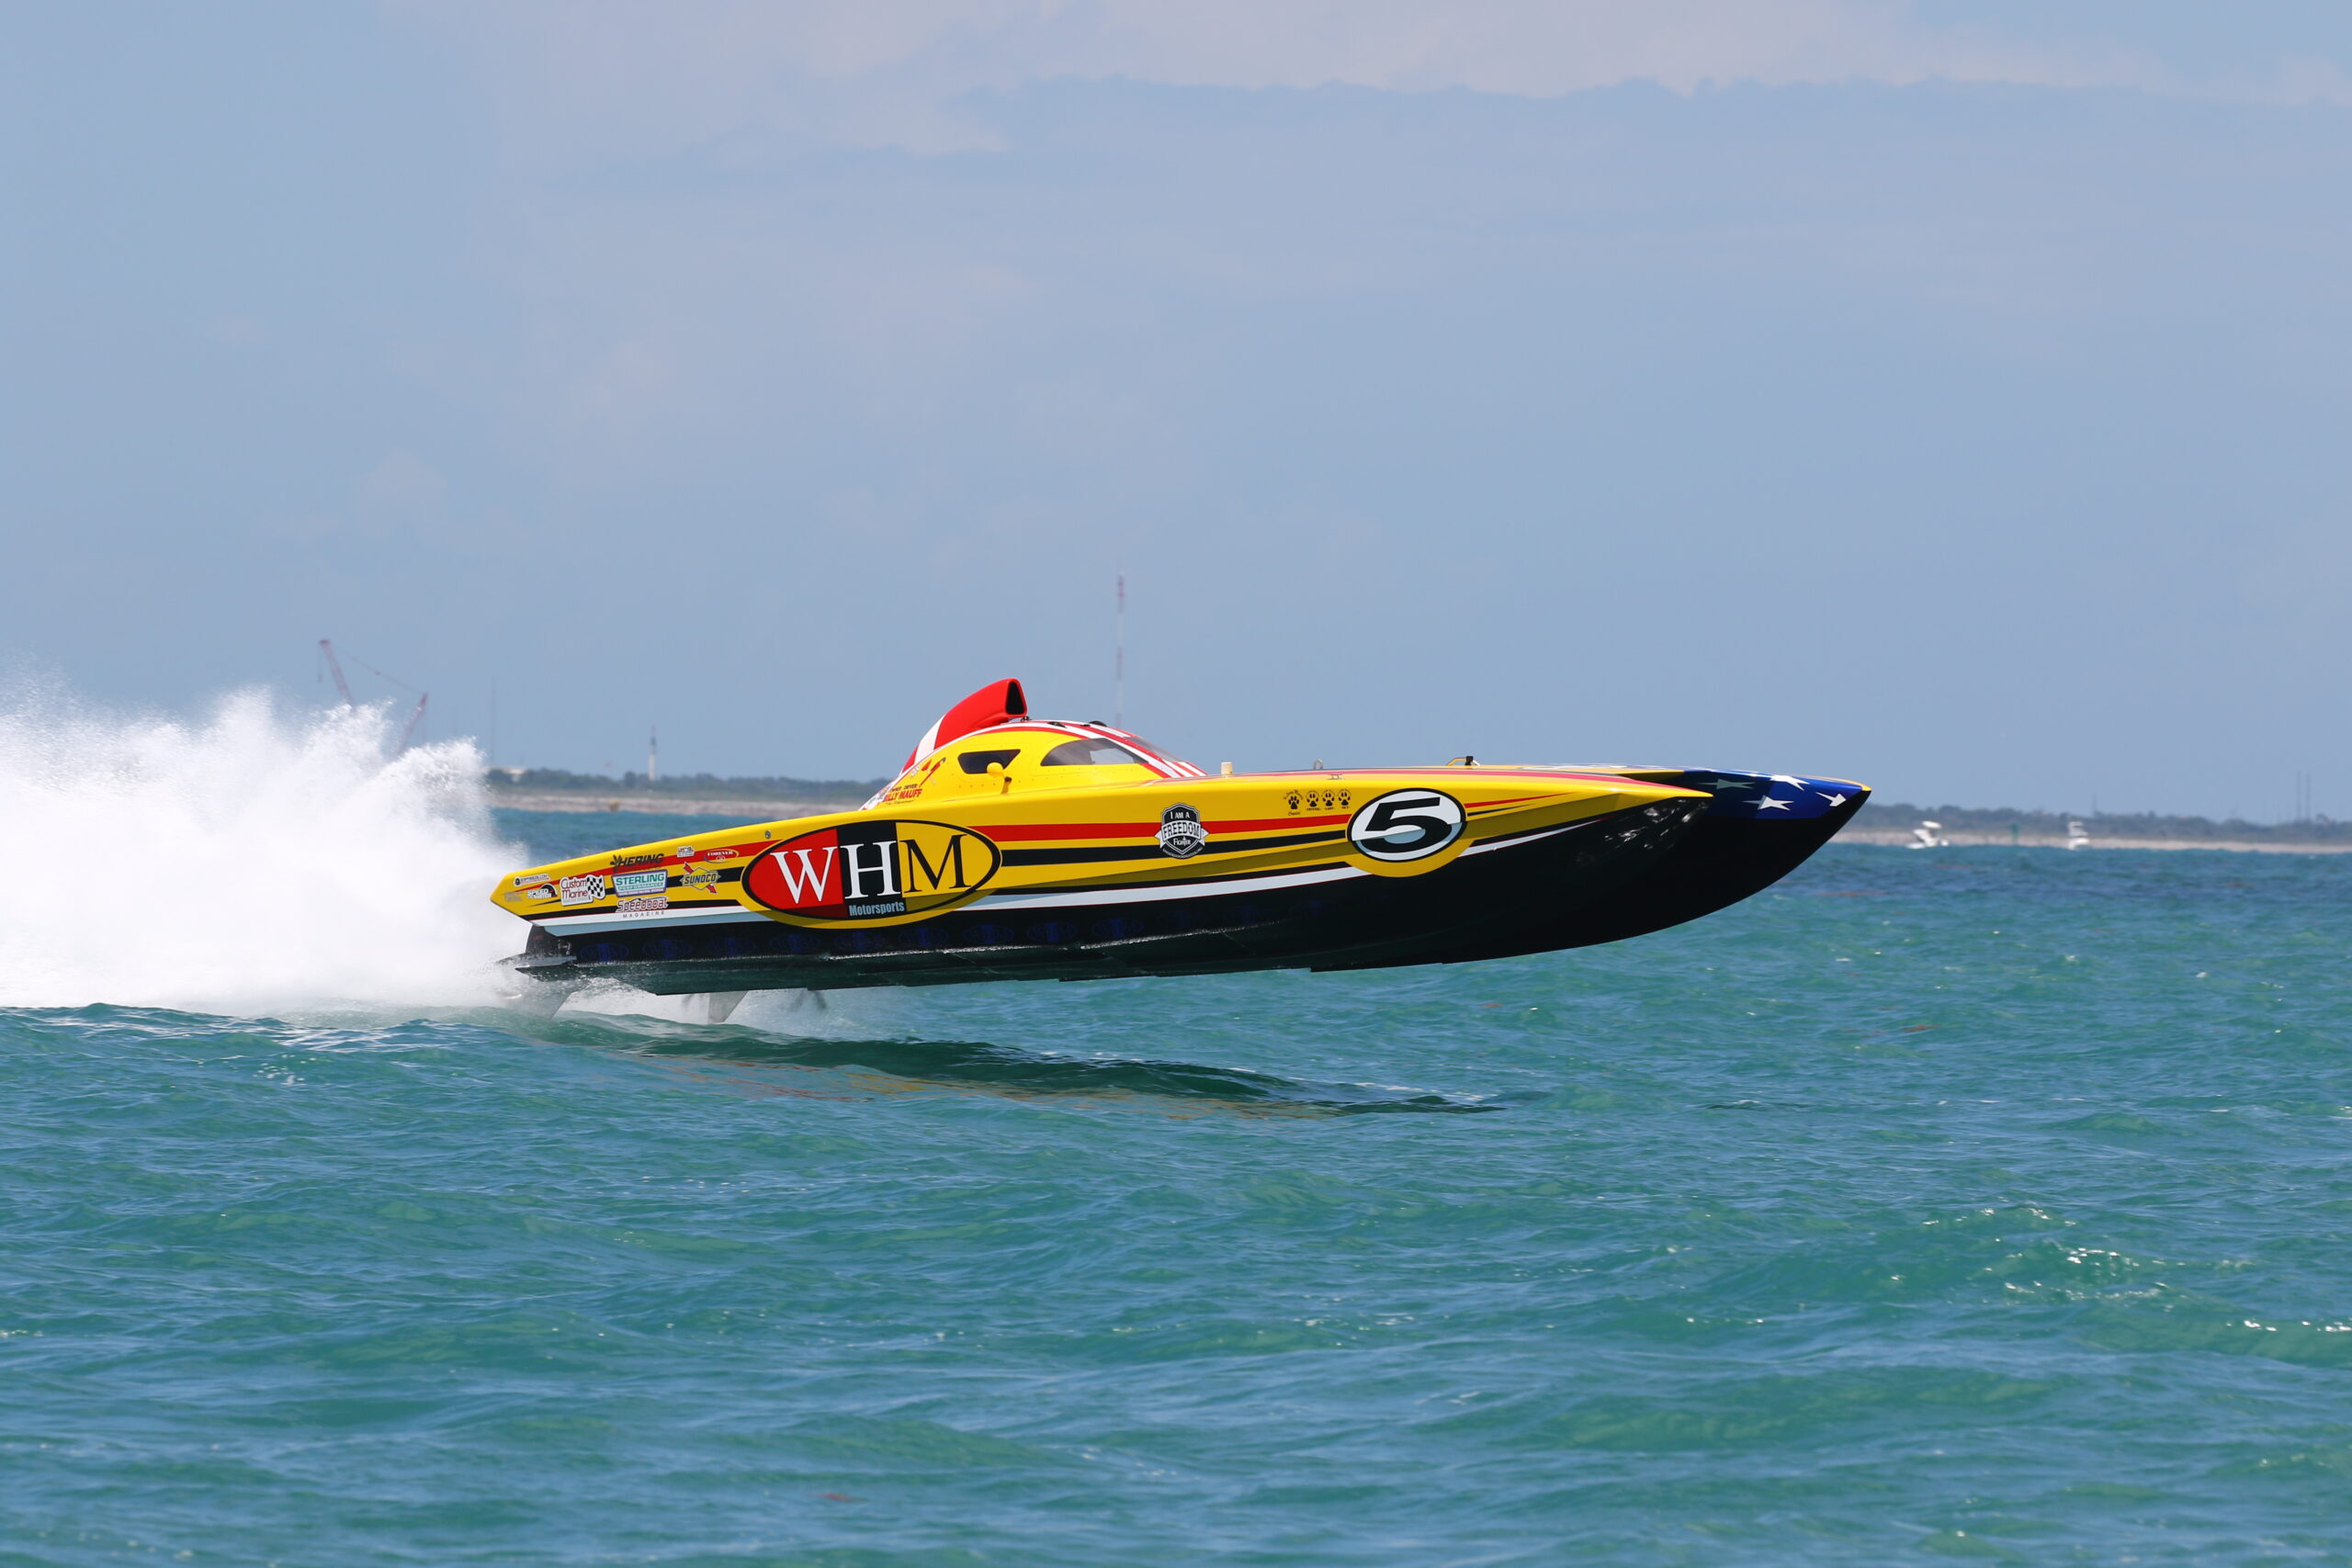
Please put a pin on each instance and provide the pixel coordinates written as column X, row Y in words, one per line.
column 964, row 873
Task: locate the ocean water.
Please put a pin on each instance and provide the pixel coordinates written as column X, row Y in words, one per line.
column 1976, row 1203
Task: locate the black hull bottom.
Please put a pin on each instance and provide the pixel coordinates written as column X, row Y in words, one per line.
column 1722, row 860
column 1488, row 904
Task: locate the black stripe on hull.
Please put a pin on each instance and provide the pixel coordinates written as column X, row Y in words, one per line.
column 1154, row 852
column 1480, row 901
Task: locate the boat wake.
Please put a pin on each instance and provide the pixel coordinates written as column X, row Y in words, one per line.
column 253, row 860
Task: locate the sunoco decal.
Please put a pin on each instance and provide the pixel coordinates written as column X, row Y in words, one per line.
column 1406, row 824
column 1180, row 833
column 631, row 882
column 872, row 871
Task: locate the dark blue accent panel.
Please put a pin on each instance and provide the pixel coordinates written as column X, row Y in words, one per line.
column 1768, row 796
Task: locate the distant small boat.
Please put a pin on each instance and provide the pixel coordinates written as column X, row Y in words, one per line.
column 1926, row 833
column 1012, row 848
column 2077, row 836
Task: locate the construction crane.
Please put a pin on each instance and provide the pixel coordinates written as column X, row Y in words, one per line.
column 335, row 668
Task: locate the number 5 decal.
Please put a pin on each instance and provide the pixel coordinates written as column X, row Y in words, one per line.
column 1406, row 824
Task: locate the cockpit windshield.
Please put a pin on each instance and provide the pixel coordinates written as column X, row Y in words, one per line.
column 1089, row 754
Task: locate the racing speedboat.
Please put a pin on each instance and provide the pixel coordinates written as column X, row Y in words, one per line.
column 1015, row 848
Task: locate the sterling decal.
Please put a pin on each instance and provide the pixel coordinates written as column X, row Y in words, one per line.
column 1180, row 833
column 582, row 889
column 629, row 882
column 872, row 871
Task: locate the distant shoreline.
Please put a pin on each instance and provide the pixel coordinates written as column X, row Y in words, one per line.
column 754, row 809
column 1893, row 838
column 662, row 804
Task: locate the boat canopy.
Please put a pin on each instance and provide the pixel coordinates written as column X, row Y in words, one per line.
column 999, row 701
column 1001, row 709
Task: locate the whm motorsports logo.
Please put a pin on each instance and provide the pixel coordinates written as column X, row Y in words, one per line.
column 872, row 871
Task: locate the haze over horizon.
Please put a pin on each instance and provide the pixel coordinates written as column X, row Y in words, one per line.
column 1946, row 396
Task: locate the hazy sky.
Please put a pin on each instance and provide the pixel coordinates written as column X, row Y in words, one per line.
column 1951, row 396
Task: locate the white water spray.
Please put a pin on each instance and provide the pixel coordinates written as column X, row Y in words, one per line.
column 250, row 862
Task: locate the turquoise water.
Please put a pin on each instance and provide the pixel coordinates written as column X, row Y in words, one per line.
column 1984, row 1204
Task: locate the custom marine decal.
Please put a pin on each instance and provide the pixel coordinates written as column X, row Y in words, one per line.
column 872, row 871
column 1180, row 833
column 1406, row 824
column 582, row 889
column 629, row 882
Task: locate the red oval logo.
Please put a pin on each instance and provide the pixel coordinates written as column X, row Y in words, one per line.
column 883, row 870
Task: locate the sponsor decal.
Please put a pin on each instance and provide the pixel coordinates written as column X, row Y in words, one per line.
column 629, row 882
column 1406, row 824
column 650, row 858
column 536, row 879
column 539, row 895
column 1180, row 833
column 685, row 851
column 1321, row 799
column 910, row 786
column 652, row 906
column 872, row 871
column 698, row 879
column 581, row 889
column 720, row 854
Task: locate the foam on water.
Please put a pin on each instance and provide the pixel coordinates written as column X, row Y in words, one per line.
column 251, row 861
